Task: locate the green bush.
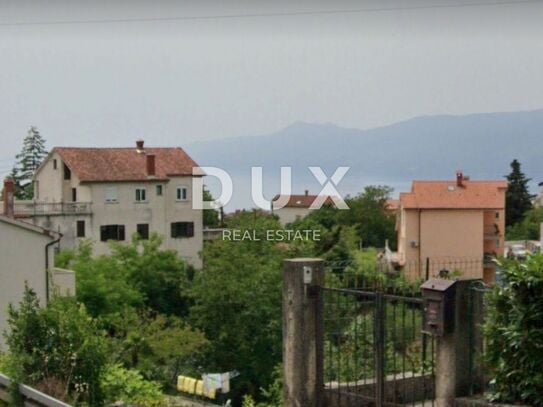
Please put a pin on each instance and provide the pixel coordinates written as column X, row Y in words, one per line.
column 129, row 387
column 58, row 349
column 514, row 333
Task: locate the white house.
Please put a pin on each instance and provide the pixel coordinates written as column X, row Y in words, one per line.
column 297, row 206
column 27, row 256
column 106, row 194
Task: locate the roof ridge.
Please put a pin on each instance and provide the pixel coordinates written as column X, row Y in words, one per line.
column 115, row 148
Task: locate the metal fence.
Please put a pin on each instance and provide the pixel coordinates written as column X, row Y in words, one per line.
column 479, row 380
column 374, row 350
column 405, row 278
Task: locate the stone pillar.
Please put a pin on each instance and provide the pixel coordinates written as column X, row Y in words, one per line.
column 453, row 352
column 303, row 332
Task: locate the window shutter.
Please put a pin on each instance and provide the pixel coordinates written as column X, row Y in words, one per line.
column 120, row 232
column 103, row 233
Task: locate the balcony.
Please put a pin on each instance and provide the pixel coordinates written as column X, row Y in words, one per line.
column 491, row 231
column 34, row 208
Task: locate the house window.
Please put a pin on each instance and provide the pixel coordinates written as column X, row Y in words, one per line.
column 111, row 194
column 67, row 173
column 497, row 215
column 159, row 190
column 55, row 164
column 182, row 229
column 182, row 194
column 141, row 195
column 143, row 230
column 74, row 194
column 111, row 232
column 80, row 228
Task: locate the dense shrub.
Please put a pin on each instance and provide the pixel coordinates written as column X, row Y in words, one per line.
column 514, row 333
column 130, row 388
column 57, row 349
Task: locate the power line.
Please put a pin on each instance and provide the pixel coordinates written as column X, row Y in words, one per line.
column 265, row 15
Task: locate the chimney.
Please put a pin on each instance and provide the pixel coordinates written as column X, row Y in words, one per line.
column 8, row 197
column 306, row 192
column 459, row 179
column 150, row 164
column 139, row 146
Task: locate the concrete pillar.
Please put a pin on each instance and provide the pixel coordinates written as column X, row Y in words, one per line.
column 303, row 332
column 453, row 351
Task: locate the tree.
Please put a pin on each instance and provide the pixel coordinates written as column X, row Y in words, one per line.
column 529, row 228
column 513, row 333
column 58, row 349
column 27, row 162
column 518, row 199
column 211, row 216
column 237, row 303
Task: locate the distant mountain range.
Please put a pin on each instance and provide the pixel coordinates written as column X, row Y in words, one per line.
column 428, row 147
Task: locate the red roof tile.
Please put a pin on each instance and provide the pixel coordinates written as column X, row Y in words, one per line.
column 302, row 201
column 392, row 204
column 448, row 195
column 124, row 164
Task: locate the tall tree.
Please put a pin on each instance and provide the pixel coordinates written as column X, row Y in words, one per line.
column 518, row 199
column 211, row 216
column 27, row 162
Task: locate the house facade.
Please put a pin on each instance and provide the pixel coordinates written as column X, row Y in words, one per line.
column 104, row 194
column 297, row 207
column 27, row 256
column 454, row 225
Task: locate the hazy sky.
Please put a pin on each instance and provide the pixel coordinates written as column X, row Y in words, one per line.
column 172, row 82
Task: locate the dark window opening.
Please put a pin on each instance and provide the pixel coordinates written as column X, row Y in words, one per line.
column 67, row 173
column 181, row 194
column 80, row 228
column 143, row 230
column 141, row 195
column 74, row 194
column 159, row 190
column 111, row 232
column 55, row 164
column 182, row 229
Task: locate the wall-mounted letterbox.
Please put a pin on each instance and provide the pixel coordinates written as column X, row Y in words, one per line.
column 438, row 302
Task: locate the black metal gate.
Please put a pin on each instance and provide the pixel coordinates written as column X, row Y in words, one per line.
column 375, row 353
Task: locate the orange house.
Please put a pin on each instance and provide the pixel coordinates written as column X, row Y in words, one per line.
column 451, row 225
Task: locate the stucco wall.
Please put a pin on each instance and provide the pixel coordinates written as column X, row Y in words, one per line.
column 158, row 211
column 52, row 187
column 22, row 258
column 446, row 236
column 289, row 215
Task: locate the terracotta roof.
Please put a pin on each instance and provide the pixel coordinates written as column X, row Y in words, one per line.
column 302, row 201
column 124, row 164
column 392, row 204
column 448, row 195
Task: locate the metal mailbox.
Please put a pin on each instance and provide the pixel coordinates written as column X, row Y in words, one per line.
column 438, row 302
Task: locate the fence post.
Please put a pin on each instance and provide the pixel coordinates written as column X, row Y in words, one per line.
column 379, row 344
column 453, row 352
column 303, row 332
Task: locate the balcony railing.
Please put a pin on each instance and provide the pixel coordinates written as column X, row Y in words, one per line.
column 34, row 208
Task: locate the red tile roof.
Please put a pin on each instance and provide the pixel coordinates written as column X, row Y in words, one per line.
column 124, row 164
column 392, row 204
column 448, row 195
column 302, row 201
